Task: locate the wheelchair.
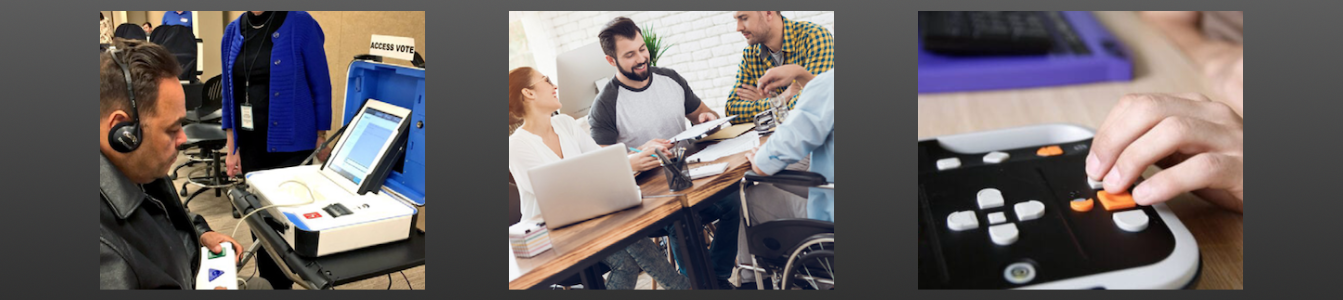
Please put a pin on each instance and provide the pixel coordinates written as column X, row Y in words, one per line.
column 796, row 253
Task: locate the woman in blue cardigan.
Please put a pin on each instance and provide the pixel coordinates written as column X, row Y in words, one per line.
column 277, row 95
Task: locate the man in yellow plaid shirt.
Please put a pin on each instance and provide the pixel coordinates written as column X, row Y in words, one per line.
column 774, row 41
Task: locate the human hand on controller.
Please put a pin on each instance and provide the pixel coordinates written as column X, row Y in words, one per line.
column 212, row 241
column 1199, row 144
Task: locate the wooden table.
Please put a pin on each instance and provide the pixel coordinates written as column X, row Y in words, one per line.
column 1159, row 67
column 654, row 182
column 581, row 245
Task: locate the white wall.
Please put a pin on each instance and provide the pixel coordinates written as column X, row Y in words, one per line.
column 707, row 45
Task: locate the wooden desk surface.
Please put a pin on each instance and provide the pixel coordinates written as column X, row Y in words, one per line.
column 579, row 241
column 1159, row 67
column 655, row 184
column 572, row 244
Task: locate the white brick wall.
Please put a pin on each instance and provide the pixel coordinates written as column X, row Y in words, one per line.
column 707, row 46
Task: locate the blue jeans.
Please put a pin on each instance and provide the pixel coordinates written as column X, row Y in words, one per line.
column 723, row 249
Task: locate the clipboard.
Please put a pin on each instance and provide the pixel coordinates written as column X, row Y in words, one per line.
column 700, row 131
column 730, row 132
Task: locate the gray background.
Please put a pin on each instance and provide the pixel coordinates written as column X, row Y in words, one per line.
column 1298, row 41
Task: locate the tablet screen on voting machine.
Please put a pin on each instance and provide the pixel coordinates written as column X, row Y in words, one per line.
column 367, row 142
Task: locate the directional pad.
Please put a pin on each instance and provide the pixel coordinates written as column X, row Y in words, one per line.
column 990, row 198
column 962, row 221
column 1004, row 235
column 1030, row 210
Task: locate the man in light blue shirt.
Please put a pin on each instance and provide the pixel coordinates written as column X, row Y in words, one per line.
column 809, row 129
column 177, row 18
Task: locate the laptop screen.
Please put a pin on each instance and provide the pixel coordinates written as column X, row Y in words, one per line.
column 365, row 141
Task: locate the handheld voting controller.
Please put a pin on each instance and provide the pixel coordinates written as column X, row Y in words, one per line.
column 218, row 270
column 1014, row 209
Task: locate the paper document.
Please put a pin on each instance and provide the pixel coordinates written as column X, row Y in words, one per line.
column 706, row 171
column 700, row 131
column 736, row 145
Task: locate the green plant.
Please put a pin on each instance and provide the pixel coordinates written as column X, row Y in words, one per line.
column 654, row 44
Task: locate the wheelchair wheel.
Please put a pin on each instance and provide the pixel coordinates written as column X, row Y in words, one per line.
column 812, row 265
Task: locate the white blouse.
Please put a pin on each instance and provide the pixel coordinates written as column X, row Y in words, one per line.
column 526, row 150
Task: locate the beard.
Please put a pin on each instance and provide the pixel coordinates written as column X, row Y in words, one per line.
column 631, row 74
column 758, row 37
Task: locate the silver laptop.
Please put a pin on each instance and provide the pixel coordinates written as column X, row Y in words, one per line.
column 584, row 186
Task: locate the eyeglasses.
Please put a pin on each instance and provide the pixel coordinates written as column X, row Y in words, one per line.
column 546, row 79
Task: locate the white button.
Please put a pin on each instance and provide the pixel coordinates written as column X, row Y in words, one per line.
column 948, row 164
column 1095, row 185
column 1005, row 234
column 998, row 217
column 1132, row 221
column 962, row 221
column 990, row 198
column 1030, row 210
column 996, row 157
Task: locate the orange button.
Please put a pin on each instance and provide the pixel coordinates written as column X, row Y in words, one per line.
column 1049, row 151
column 1113, row 202
column 1083, row 206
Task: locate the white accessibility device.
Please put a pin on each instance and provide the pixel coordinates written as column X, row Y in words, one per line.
column 218, row 270
column 339, row 206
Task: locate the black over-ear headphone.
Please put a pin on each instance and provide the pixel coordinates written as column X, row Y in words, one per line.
column 125, row 136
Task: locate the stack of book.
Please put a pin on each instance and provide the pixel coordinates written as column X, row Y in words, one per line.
column 528, row 239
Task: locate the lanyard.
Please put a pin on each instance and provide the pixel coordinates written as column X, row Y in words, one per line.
column 247, row 70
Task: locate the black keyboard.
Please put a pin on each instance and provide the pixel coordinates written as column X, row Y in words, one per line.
column 988, row 32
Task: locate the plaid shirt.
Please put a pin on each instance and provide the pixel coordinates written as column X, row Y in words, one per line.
column 804, row 43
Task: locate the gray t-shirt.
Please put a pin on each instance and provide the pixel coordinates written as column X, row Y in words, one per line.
column 621, row 114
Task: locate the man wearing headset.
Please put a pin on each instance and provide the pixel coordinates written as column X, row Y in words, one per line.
column 147, row 240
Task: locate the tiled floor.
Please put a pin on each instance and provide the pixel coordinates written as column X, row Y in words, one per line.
column 218, row 212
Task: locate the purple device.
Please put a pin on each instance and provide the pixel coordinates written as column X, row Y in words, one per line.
column 1094, row 55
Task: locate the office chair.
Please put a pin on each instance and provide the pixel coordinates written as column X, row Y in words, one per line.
column 204, row 103
column 798, row 253
column 212, row 102
column 182, row 43
column 210, row 138
column 131, row 32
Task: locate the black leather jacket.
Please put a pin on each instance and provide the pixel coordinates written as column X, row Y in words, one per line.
column 147, row 240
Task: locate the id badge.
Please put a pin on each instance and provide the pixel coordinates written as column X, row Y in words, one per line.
column 247, row 117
